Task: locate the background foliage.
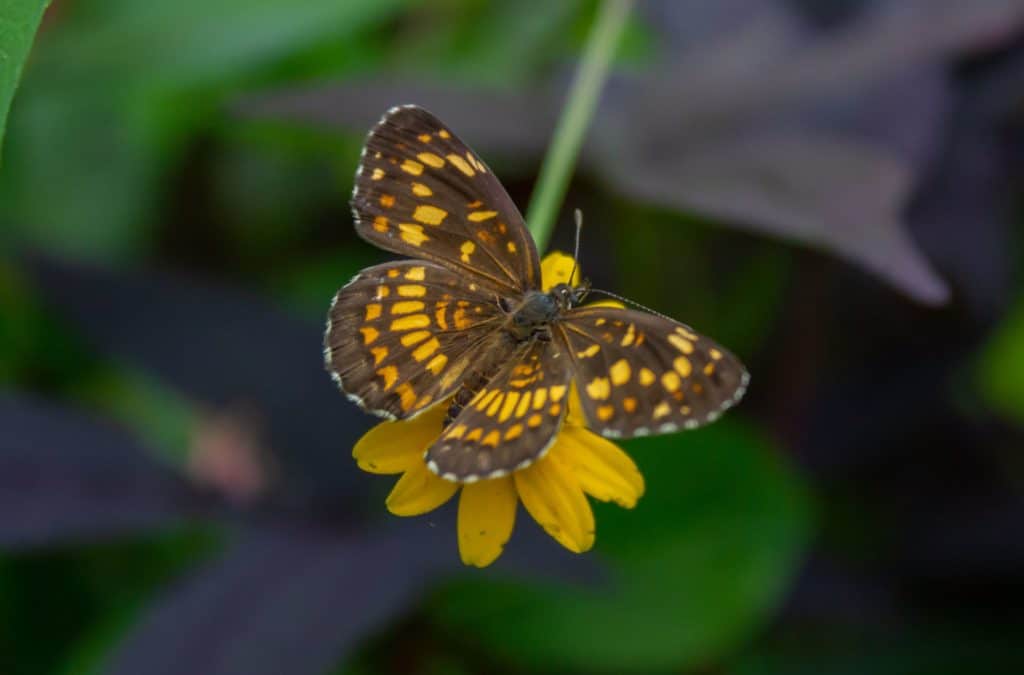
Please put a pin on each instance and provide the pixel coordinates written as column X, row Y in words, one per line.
column 830, row 188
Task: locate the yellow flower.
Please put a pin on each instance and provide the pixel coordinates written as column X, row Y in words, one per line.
column 553, row 490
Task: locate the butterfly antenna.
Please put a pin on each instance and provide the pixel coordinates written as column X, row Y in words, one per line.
column 578, row 216
column 631, row 302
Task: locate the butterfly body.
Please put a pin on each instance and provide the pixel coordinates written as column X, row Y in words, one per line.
column 467, row 324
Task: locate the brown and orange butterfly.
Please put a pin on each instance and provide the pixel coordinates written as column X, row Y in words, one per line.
column 467, row 326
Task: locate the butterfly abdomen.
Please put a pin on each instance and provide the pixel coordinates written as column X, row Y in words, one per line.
column 478, row 377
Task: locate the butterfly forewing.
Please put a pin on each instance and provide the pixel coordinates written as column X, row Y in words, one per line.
column 511, row 421
column 402, row 336
column 420, row 191
column 640, row 373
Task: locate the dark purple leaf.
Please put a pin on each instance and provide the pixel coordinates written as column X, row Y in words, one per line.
column 65, row 476
column 499, row 122
column 962, row 215
column 826, row 590
column 293, row 600
column 965, row 542
column 823, row 192
column 298, row 599
column 226, row 348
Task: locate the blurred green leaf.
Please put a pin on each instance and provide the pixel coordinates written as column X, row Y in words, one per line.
column 18, row 24
column 200, row 42
column 310, row 286
column 118, row 93
column 157, row 414
column 699, row 564
column 1000, row 372
column 66, row 608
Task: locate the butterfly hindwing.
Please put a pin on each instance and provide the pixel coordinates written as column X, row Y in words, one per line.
column 512, row 421
column 402, row 335
column 421, row 192
column 640, row 373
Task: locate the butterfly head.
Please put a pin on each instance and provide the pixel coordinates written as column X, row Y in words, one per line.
column 566, row 297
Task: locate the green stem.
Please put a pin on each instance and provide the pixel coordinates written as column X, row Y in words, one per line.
column 582, row 100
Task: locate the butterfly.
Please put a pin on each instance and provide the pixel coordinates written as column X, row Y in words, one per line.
column 465, row 324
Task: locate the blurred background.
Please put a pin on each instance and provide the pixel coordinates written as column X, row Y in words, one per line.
column 829, row 187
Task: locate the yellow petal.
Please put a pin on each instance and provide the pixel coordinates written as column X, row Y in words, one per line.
column 487, row 512
column 574, row 415
column 419, row 491
column 603, row 470
column 394, row 447
column 555, row 269
column 606, row 303
column 555, row 499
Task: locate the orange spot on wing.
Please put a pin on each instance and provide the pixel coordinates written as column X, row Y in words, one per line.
column 369, row 334
column 510, row 403
column 540, row 397
column 482, row 400
column 389, row 374
column 495, row 404
column 461, row 164
column 406, row 396
column 409, row 339
column 456, row 431
column 461, row 322
column 412, row 291
column 599, row 388
column 439, row 315
column 680, row 343
column 426, row 349
column 412, row 167
column 524, row 404
column 630, row 335
column 620, row 372
column 410, row 322
column 407, row 307
column 412, row 234
column 437, row 364
column 480, row 216
column 430, row 159
column 431, row 215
